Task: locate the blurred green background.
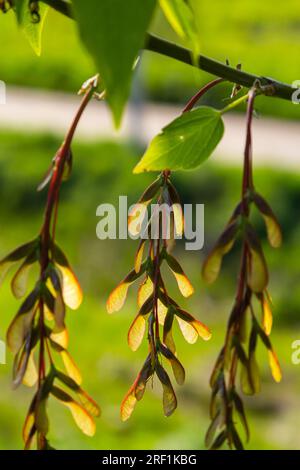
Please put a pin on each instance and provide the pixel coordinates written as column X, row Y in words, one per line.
column 266, row 40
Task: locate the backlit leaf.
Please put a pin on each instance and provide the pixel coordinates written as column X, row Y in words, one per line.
column 103, row 25
column 185, row 143
column 32, row 29
column 182, row 19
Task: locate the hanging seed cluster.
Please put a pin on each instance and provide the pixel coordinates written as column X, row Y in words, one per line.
column 157, row 311
column 37, row 336
column 251, row 316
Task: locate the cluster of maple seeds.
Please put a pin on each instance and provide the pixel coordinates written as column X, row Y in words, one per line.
column 38, row 331
column 244, row 329
column 58, row 289
column 156, row 308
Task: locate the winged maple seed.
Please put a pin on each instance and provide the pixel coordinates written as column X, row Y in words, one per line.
column 157, row 310
column 244, row 329
column 38, row 335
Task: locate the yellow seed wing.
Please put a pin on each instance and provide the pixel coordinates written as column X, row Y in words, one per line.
column 136, row 332
column 117, row 297
column 71, row 367
column 71, row 289
column 274, row 366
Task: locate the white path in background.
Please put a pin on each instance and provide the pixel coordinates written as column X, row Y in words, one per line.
column 275, row 142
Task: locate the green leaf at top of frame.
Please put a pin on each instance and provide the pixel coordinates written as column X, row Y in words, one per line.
column 182, row 19
column 113, row 32
column 32, row 29
column 185, row 143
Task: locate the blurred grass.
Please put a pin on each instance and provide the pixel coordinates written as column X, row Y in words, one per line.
column 102, row 172
column 263, row 38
